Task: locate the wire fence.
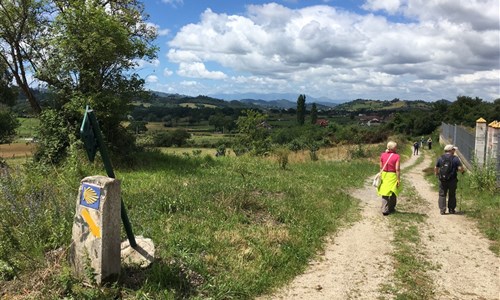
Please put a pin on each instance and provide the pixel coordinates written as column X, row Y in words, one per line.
column 465, row 139
column 462, row 138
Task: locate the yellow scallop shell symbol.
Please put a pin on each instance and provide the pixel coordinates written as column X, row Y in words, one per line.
column 89, row 195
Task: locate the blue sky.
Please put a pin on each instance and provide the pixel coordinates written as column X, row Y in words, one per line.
column 340, row 50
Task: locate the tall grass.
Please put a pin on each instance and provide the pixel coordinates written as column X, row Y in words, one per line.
column 225, row 228
column 410, row 262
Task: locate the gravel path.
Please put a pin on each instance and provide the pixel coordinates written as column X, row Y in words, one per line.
column 358, row 259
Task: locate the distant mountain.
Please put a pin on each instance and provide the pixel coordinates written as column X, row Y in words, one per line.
column 289, row 101
column 285, row 104
column 278, row 96
column 267, row 103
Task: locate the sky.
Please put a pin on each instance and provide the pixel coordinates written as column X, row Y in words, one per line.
column 339, row 50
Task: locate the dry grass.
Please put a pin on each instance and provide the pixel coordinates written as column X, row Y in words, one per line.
column 17, row 150
column 337, row 153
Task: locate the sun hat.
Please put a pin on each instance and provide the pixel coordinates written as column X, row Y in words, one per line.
column 449, row 148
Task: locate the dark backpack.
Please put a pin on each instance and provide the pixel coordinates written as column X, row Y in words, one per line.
column 446, row 168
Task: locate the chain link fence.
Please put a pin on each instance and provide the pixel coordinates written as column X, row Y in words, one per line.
column 465, row 139
column 461, row 137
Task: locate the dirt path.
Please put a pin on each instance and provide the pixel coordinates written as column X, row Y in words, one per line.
column 358, row 259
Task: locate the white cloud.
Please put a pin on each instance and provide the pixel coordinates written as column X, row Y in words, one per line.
column 167, row 72
column 189, row 83
column 152, row 79
column 174, row 3
column 198, row 70
column 142, row 63
column 391, row 6
column 332, row 51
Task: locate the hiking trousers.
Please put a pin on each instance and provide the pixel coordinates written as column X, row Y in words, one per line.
column 389, row 203
column 448, row 188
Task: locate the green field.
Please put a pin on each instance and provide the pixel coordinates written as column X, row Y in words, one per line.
column 26, row 129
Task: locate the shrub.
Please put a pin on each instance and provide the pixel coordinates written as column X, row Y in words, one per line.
column 53, row 136
column 177, row 138
column 282, row 156
column 8, row 125
column 483, row 178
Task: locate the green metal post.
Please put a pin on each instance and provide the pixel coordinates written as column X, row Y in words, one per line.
column 109, row 170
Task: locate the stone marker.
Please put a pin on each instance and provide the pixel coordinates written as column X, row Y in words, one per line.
column 96, row 230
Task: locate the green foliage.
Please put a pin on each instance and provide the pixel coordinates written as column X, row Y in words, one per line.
column 411, row 266
column 282, row 156
column 296, row 145
column 7, row 92
column 466, row 110
column 358, row 134
column 313, row 148
column 221, row 150
column 222, row 123
column 301, row 109
column 477, row 194
column 415, row 123
column 314, row 114
column 37, row 208
column 8, row 125
column 137, row 126
column 217, row 224
column 89, row 50
column 361, row 152
column 177, row 138
column 254, row 134
column 483, row 178
column 53, row 136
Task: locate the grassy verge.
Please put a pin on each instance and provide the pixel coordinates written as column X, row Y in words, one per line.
column 226, row 228
column 410, row 263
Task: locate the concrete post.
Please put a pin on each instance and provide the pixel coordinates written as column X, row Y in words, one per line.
column 493, row 145
column 95, row 250
column 480, row 144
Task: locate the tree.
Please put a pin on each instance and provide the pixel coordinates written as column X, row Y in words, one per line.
column 301, row 109
column 254, row 134
column 217, row 121
column 84, row 51
column 8, row 125
column 8, row 121
column 7, row 93
column 314, row 113
column 22, row 23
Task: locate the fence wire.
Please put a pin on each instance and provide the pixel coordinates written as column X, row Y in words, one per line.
column 465, row 139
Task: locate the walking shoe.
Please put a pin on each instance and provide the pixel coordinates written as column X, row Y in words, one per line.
column 442, row 212
column 385, row 213
column 451, row 211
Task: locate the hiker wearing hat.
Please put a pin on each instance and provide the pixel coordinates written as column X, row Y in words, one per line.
column 446, row 169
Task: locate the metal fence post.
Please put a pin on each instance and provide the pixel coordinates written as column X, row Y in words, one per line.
column 101, row 146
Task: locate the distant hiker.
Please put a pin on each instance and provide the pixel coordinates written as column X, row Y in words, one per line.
column 391, row 181
column 446, row 169
column 416, row 145
column 422, row 142
column 429, row 143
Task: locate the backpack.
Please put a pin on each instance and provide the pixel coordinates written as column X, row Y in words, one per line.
column 446, row 168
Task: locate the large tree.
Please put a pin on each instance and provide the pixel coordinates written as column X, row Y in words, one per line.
column 22, row 23
column 301, row 109
column 86, row 55
column 314, row 113
column 8, row 121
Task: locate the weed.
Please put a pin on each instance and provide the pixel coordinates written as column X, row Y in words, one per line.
column 410, row 264
column 228, row 228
